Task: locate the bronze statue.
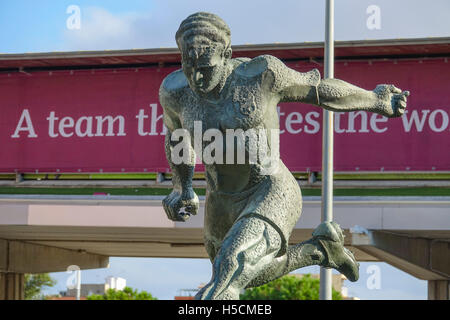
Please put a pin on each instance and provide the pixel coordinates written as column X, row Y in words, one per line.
column 250, row 213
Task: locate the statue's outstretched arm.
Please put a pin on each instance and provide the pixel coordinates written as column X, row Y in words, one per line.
column 338, row 95
column 334, row 94
column 182, row 201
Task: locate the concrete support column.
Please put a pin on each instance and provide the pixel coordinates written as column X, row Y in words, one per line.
column 12, row 286
column 23, row 257
column 18, row 258
column 438, row 290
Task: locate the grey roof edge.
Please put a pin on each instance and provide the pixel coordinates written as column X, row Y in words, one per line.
column 202, row 198
column 244, row 47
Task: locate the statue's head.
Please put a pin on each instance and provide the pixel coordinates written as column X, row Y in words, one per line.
column 204, row 40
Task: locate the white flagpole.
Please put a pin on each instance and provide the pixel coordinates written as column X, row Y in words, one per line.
column 327, row 145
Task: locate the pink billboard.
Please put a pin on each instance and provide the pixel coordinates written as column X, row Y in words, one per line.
column 110, row 120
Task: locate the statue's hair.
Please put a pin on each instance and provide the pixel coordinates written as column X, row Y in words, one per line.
column 205, row 24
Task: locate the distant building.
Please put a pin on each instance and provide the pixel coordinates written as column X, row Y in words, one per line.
column 88, row 289
column 187, row 294
column 65, row 298
column 116, row 283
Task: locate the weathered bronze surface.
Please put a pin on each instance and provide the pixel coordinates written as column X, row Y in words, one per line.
column 252, row 204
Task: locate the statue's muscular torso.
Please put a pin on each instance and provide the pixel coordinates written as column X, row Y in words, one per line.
column 248, row 100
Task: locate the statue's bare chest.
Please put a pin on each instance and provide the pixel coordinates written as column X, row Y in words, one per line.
column 241, row 107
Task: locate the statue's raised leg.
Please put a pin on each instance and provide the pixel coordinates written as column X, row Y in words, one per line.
column 247, row 257
column 325, row 248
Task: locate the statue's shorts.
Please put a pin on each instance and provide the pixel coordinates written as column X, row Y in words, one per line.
column 275, row 199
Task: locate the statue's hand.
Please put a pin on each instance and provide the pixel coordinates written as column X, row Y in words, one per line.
column 179, row 206
column 391, row 101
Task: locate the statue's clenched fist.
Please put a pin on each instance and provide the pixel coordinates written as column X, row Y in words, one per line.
column 180, row 205
column 391, row 100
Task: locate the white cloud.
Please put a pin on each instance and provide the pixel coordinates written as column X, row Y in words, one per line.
column 254, row 21
column 101, row 29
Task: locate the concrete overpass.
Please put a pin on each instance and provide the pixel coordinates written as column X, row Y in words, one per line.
column 48, row 233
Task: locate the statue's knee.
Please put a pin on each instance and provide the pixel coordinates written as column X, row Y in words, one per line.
column 273, row 238
column 256, row 238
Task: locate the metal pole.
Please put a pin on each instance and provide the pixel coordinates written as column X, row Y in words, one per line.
column 327, row 145
column 78, row 288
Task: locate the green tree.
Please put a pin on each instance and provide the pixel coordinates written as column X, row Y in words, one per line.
column 288, row 288
column 34, row 283
column 126, row 294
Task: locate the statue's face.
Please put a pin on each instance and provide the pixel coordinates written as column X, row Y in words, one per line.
column 203, row 65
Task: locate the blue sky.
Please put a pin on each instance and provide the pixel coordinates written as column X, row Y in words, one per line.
column 40, row 26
